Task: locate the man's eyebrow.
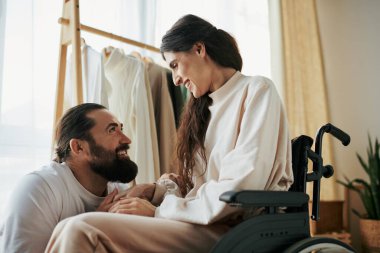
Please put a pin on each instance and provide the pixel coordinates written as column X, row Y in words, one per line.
column 113, row 124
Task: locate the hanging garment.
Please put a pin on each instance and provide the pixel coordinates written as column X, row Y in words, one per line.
column 93, row 76
column 163, row 114
column 130, row 100
column 93, row 80
column 178, row 96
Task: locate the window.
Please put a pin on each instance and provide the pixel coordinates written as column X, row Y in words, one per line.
column 28, row 88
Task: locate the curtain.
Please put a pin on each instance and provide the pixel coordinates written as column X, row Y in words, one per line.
column 3, row 6
column 276, row 47
column 29, row 64
column 304, row 79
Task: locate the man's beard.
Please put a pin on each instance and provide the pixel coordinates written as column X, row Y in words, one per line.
column 107, row 164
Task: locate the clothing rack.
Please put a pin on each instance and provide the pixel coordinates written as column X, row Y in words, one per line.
column 71, row 34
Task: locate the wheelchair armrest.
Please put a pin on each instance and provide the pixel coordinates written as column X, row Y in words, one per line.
column 265, row 198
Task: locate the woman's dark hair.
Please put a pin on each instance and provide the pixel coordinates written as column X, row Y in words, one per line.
column 190, row 29
column 74, row 125
column 222, row 48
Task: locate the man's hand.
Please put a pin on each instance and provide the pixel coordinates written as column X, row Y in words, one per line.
column 107, row 202
column 136, row 206
column 143, row 191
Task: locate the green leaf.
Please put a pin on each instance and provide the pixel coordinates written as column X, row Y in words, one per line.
column 369, row 192
column 363, row 164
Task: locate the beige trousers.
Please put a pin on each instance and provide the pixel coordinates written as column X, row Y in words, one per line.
column 122, row 233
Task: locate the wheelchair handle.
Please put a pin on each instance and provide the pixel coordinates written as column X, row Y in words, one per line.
column 333, row 130
column 337, row 133
column 318, row 169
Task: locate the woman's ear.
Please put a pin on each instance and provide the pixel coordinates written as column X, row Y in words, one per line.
column 200, row 48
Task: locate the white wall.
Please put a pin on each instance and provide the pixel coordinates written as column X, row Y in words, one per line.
column 350, row 38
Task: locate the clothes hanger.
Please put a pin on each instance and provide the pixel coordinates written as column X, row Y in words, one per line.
column 107, row 51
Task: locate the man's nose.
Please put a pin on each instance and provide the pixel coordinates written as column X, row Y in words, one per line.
column 125, row 139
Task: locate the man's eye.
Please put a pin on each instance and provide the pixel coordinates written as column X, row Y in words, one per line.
column 112, row 129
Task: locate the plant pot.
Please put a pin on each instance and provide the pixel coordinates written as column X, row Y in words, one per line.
column 370, row 235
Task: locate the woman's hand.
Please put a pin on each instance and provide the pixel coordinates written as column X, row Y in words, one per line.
column 174, row 177
column 107, row 202
column 134, row 206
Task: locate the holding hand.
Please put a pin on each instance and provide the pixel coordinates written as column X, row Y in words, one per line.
column 144, row 191
column 107, row 202
column 176, row 179
column 136, row 206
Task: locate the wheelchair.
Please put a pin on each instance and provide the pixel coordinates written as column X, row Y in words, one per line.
column 288, row 230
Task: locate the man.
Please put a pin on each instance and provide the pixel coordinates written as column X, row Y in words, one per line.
column 91, row 152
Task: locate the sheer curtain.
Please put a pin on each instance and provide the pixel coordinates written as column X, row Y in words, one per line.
column 30, row 60
column 304, row 84
column 147, row 21
column 28, row 88
column 3, row 6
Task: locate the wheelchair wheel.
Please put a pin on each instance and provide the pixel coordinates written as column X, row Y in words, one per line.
column 320, row 245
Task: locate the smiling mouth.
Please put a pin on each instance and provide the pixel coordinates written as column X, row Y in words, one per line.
column 123, row 154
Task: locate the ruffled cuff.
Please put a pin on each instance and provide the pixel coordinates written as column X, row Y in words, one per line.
column 159, row 194
column 163, row 188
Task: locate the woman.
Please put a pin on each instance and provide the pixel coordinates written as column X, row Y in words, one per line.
column 233, row 136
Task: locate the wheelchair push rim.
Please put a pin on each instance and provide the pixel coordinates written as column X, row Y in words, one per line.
column 320, row 245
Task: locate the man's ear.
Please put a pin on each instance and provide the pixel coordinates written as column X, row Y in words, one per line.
column 76, row 146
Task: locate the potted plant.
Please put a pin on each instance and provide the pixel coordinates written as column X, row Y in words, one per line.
column 369, row 192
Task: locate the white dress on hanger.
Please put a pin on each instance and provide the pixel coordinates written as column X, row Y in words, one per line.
column 93, row 76
column 130, row 100
column 93, row 80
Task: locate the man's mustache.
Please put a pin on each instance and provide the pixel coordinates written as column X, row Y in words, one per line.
column 122, row 147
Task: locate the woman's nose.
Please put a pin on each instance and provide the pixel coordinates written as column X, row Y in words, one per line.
column 177, row 80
